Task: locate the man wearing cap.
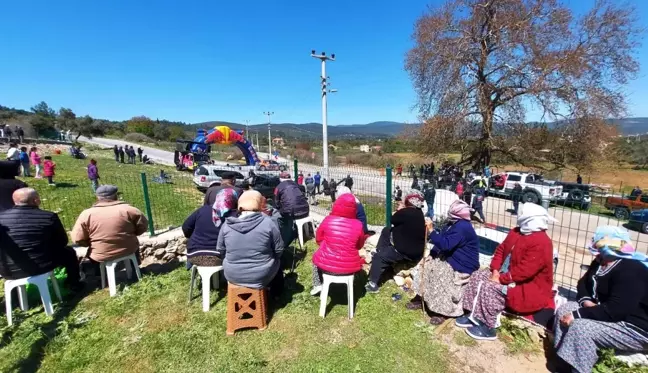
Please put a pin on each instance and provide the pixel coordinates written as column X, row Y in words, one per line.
column 228, row 180
column 110, row 227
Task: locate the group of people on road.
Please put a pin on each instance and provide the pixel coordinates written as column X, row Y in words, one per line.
column 130, row 154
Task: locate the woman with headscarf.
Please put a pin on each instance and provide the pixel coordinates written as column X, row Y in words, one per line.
column 445, row 273
column 360, row 211
column 203, row 226
column 252, row 245
column 520, row 278
column 612, row 307
column 404, row 241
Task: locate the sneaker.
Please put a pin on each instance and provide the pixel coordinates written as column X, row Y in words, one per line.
column 464, row 322
column 316, row 290
column 371, row 287
column 482, row 333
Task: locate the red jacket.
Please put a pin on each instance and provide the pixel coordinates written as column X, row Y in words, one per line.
column 530, row 268
column 340, row 236
column 48, row 168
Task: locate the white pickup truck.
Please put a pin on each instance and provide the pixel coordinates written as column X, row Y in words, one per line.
column 534, row 188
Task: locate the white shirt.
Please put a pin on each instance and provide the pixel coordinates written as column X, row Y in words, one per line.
column 13, row 154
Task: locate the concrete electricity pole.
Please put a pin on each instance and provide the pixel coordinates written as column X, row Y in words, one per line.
column 269, row 113
column 323, row 57
column 247, row 130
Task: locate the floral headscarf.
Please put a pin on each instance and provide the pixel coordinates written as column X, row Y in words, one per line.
column 615, row 242
column 226, row 201
column 459, row 210
column 414, row 198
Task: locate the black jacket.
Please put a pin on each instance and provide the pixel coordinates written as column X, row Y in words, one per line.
column 620, row 292
column 29, row 241
column 290, row 201
column 9, row 183
column 408, row 232
column 202, row 233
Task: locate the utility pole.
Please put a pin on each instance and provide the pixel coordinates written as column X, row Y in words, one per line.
column 247, row 130
column 323, row 57
column 269, row 113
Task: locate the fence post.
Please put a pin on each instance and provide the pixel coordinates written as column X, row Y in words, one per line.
column 147, row 202
column 388, row 195
column 295, row 167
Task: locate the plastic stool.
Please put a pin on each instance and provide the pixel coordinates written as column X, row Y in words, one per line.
column 300, row 228
column 41, row 282
column 242, row 301
column 206, row 273
column 110, row 266
column 330, row 279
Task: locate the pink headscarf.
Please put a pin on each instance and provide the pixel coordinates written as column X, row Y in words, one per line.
column 459, row 210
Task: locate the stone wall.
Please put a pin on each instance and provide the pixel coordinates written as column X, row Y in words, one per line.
column 163, row 248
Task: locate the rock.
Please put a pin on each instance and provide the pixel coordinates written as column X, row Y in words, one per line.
column 168, row 257
column 159, row 253
column 160, row 244
column 409, row 282
column 146, row 244
column 171, row 248
column 399, row 280
column 533, row 335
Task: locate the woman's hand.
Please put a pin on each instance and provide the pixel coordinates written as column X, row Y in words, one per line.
column 588, row 303
column 495, row 275
column 567, row 319
column 429, row 224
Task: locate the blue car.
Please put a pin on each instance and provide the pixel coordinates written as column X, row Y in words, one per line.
column 639, row 220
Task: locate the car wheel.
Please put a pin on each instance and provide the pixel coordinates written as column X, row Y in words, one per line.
column 644, row 228
column 531, row 197
column 576, row 195
column 621, row 213
column 282, row 168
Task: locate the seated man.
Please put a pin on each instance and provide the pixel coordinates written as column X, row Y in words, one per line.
column 404, row 241
column 612, row 307
column 110, row 227
column 33, row 241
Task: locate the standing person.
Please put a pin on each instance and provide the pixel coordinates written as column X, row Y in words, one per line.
column 110, row 227
column 398, row 194
column 36, row 161
column 348, row 182
column 8, row 132
column 139, row 153
column 21, row 135
column 325, row 187
column 13, row 154
column 121, row 154
column 333, row 190
column 516, row 196
column 24, row 162
column 404, row 241
column 93, row 175
column 415, row 183
column 459, row 189
column 478, row 206
column 33, row 241
column 49, row 169
column 399, row 170
column 133, row 155
column 310, row 190
column 579, row 179
column 116, row 151
column 9, row 184
column 318, row 179
column 2, row 130
column 636, row 191
column 228, row 180
column 292, row 205
column 429, row 193
column 300, row 179
column 421, row 170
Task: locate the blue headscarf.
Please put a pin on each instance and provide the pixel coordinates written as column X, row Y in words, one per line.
column 615, row 242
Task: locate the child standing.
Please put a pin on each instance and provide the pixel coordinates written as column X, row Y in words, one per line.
column 36, row 161
column 48, row 169
column 24, row 162
column 93, row 174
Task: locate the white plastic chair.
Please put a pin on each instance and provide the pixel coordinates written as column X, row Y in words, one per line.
column 300, row 228
column 110, row 266
column 327, row 281
column 41, row 282
column 206, row 273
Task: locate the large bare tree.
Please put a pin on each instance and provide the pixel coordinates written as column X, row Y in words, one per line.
column 479, row 67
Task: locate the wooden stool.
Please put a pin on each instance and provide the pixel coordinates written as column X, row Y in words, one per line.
column 246, row 308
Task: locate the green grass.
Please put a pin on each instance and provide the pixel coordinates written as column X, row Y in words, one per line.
column 171, row 203
column 374, row 208
column 150, row 328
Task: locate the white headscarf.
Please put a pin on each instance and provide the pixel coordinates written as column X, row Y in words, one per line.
column 345, row 190
column 534, row 218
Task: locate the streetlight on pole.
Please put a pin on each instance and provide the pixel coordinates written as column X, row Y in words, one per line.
column 323, row 57
column 269, row 113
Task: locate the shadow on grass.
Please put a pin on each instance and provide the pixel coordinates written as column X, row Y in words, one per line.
column 338, row 292
column 66, row 185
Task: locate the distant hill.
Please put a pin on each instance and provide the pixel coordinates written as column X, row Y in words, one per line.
column 632, row 126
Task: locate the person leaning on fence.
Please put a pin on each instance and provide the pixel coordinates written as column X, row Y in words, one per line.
column 252, row 246
column 110, row 227
column 612, row 307
column 292, row 205
column 520, row 278
column 339, row 237
column 443, row 275
column 33, row 241
column 203, row 226
column 360, row 211
column 404, row 241
column 228, row 180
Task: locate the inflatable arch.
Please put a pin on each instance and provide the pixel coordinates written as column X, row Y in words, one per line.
column 226, row 135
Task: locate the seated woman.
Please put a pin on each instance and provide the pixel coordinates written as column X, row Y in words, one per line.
column 404, row 241
column 520, row 278
column 203, row 226
column 446, row 271
column 612, row 307
column 252, row 246
column 339, row 237
column 360, row 211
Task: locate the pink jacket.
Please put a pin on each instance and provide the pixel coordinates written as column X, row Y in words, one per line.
column 48, row 168
column 339, row 237
column 35, row 158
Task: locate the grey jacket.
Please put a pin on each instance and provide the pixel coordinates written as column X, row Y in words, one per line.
column 252, row 247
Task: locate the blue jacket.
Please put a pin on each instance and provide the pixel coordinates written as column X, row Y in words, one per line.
column 459, row 244
column 202, row 233
column 362, row 216
column 318, row 178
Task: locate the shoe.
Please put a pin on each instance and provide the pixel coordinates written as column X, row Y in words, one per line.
column 482, row 333
column 437, row 320
column 464, row 322
column 371, row 287
column 316, row 290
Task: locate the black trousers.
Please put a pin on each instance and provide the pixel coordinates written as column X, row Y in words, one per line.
column 516, row 205
column 386, row 256
column 317, row 188
column 67, row 259
column 277, row 284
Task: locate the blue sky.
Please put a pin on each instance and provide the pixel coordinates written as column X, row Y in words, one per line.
column 196, row 61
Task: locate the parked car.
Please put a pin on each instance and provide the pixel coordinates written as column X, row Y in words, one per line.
column 208, row 175
column 574, row 194
column 535, row 188
column 639, row 220
column 623, row 206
